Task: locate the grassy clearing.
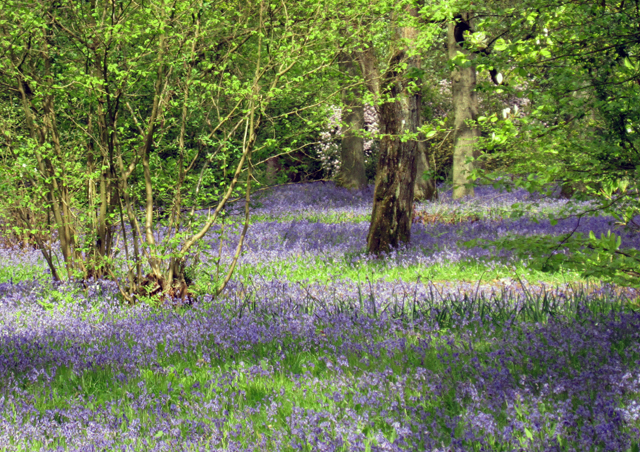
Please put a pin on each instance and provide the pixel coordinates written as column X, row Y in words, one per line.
column 316, row 269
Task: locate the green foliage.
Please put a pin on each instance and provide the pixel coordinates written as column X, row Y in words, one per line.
column 599, row 258
column 143, row 114
column 573, row 71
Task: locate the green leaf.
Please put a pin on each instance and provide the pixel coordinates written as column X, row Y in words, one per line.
column 500, row 45
column 628, row 64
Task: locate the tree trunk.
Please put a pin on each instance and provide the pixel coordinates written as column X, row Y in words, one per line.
column 273, row 168
column 465, row 107
column 352, row 171
column 424, row 189
column 396, row 173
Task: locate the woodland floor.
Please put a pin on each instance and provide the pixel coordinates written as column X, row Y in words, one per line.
column 316, row 346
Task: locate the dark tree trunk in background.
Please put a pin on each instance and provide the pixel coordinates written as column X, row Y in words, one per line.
column 273, row 168
column 424, row 190
column 465, row 107
column 395, row 178
column 352, row 172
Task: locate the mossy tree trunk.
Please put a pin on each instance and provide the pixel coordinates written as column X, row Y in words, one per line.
column 465, row 108
column 399, row 117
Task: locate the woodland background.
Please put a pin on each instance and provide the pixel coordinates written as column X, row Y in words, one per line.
column 128, row 118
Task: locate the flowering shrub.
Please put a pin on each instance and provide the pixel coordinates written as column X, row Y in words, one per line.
column 328, row 151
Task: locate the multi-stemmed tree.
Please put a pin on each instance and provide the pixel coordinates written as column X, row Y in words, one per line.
column 124, row 111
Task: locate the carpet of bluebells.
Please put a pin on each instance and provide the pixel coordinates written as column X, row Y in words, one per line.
column 315, row 346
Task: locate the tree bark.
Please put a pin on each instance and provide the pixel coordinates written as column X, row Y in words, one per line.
column 465, row 107
column 352, row 171
column 44, row 129
column 396, row 173
column 273, row 168
column 424, row 189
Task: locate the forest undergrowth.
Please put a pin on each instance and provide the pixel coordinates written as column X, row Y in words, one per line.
column 314, row 345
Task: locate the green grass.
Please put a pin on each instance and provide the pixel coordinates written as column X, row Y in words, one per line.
column 313, row 217
column 327, row 269
column 10, row 271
